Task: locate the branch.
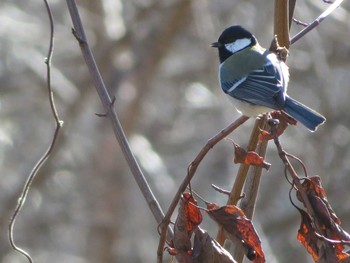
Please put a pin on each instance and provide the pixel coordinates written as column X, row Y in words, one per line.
column 290, row 168
column 281, row 22
column 316, row 22
column 190, row 173
column 236, row 191
column 45, row 156
column 108, row 105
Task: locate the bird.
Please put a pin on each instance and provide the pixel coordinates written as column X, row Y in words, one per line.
column 256, row 80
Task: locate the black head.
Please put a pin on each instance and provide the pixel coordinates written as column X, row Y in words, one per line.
column 233, row 39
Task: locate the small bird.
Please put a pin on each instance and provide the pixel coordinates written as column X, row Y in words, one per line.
column 256, row 79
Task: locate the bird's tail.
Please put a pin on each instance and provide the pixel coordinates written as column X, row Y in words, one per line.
column 308, row 117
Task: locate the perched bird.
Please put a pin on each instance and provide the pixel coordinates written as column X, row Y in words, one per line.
column 256, row 79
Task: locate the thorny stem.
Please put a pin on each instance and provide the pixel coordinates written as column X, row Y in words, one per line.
column 190, row 173
column 45, row 156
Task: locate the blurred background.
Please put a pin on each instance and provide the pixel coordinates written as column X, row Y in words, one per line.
column 154, row 56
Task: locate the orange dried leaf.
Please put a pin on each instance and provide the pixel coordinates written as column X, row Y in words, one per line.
column 234, row 210
column 172, row 251
column 265, row 136
column 240, row 229
column 212, row 206
column 284, row 121
column 182, row 237
column 333, row 234
column 254, row 159
column 193, row 214
column 313, row 187
column 326, row 219
column 181, row 256
column 250, row 158
column 307, row 236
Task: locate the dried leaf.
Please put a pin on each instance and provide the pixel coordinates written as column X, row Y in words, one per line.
column 182, row 237
column 250, row 158
column 189, row 217
column 326, row 246
column 312, row 186
column 306, row 235
column 284, row 121
column 193, row 214
column 240, row 229
column 208, row 250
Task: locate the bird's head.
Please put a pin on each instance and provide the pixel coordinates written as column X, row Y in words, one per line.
column 232, row 40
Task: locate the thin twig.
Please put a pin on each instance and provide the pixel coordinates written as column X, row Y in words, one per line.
column 316, row 22
column 300, row 162
column 292, row 172
column 220, row 190
column 108, row 105
column 298, row 22
column 45, row 156
column 190, row 173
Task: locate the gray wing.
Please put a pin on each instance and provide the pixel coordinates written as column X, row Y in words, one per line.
column 263, row 87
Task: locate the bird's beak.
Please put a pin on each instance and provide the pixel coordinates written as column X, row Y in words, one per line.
column 215, row 44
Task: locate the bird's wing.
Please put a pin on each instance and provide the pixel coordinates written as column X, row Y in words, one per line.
column 264, row 87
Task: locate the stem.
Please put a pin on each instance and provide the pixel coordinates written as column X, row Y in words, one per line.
column 190, row 173
column 316, row 22
column 281, row 22
column 112, row 115
column 45, row 156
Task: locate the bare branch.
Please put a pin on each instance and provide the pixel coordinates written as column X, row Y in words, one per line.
column 301, row 23
column 220, row 190
column 45, row 156
column 190, row 173
column 316, row 22
column 108, row 105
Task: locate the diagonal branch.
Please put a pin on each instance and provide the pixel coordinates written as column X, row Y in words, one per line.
column 190, row 173
column 45, row 156
column 108, row 105
column 316, row 22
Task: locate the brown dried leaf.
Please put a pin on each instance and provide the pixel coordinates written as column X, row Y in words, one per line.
column 208, row 250
column 182, row 237
column 326, row 246
column 240, row 229
column 193, row 214
column 250, row 158
column 307, row 236
column 313, row 187
column 284, row 121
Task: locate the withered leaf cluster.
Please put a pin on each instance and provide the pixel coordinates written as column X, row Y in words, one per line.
column 320, row 232
column 205, row 249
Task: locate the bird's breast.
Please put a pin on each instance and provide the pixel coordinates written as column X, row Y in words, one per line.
column 248, row 109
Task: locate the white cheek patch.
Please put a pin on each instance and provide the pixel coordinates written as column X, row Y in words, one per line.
column 238, row 45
